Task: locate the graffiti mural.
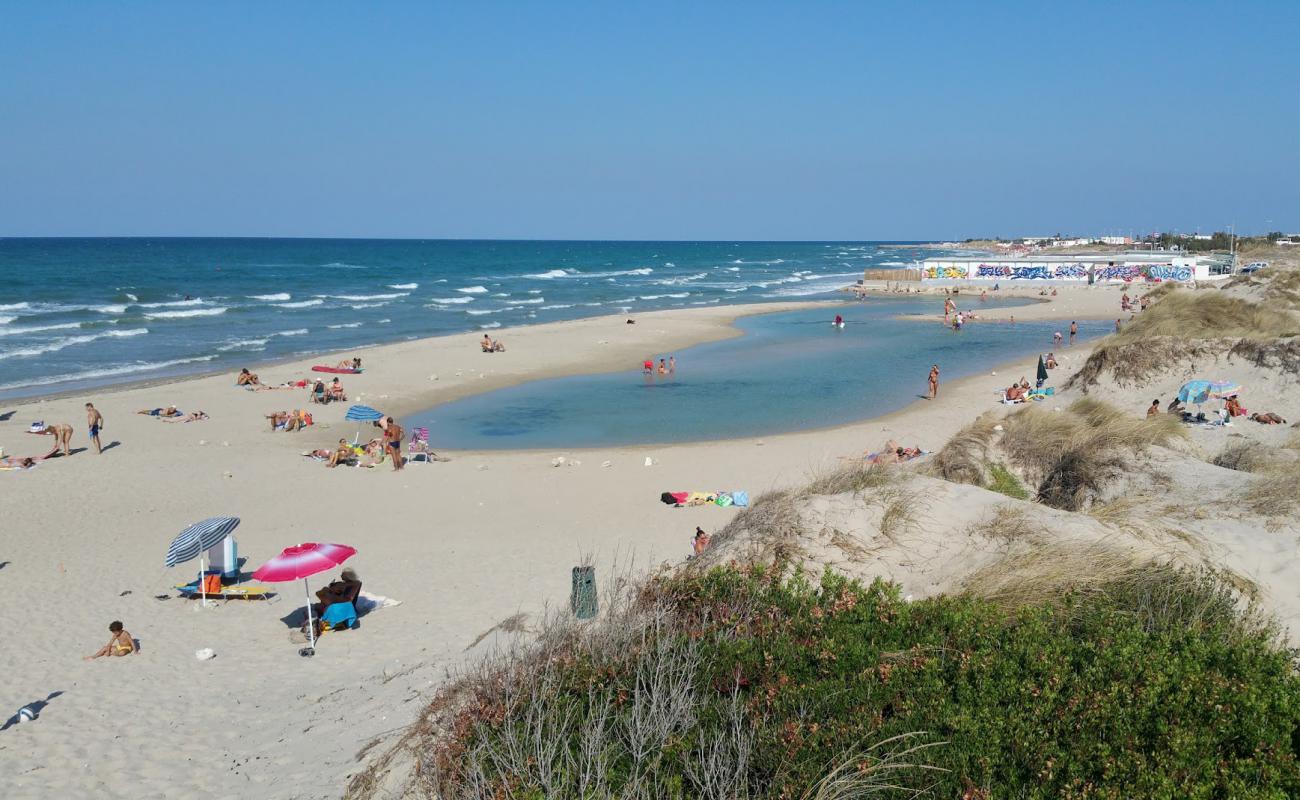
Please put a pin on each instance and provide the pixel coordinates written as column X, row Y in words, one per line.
column 1168, row 272
column 1077, row 271
column 936, row 272
column 1121, row 272
column 1071, row 271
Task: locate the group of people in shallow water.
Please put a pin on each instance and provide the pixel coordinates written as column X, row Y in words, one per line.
column 668, row 367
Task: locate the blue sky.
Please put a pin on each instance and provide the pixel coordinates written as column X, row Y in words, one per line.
column 756, row 120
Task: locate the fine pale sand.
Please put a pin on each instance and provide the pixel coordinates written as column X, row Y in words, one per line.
column 463, row 544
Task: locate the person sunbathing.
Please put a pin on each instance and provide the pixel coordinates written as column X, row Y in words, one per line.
column 344, row 590
column 247, row 378
column 336, row 391
column 1267, row 418
column 1175, row 407
column 353, row 364
column 486, row 345
column 278, row 418
column 1234, row 407
column 343, row 454
column 1051, row 361
column 1016, row 392
column 19, row 462
column 193, row 416
column 169, row 411
column 119, row 644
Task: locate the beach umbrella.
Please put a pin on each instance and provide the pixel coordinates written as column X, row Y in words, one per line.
column 1196, row 392
column 194, row 541
column 1224, row 389
column 1042, row 371
column 360, row 413
column 301, row 562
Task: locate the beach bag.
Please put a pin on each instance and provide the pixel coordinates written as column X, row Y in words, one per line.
column 740, row 498
column 211, row 584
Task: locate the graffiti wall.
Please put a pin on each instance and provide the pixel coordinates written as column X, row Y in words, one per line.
column 1149, row 273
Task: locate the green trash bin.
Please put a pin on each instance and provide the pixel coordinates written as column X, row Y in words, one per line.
column 582, row 599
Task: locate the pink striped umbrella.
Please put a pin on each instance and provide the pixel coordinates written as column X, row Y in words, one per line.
column 302, row 561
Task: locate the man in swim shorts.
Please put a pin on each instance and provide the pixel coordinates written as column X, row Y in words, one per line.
column 95, row 421
column 393, row 441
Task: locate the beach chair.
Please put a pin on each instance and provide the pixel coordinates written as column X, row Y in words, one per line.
column 339, row 615
column 418, row 448
column 190, row 591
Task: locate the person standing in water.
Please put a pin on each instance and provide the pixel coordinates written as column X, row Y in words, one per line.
column 934, row 382
column 672, row 365
column 839, row 320
column 95, row 421
column 1074, row 331
column 663, row 367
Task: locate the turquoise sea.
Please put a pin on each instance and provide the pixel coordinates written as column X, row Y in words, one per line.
column 83, row 313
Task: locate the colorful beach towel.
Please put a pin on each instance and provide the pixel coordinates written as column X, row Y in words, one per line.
column 722, row 499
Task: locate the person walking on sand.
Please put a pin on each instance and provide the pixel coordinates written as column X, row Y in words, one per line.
column 393, row 442
column 934, row 382
column 95, row 421
column 1074, row 331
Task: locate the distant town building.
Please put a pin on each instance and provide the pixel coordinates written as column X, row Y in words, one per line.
column 1127, row 267
column 1116, row 240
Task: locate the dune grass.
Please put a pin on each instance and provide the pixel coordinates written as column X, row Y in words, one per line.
column 1067, row 458
column 735, row 685
column 1207, row 314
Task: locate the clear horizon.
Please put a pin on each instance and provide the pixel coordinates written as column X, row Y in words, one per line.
column 823, row 122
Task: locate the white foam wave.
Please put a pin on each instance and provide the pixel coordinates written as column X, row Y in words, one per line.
column 68, row 341
column 125, row 369
column 489, row 325
column 251, row 345
column 113, row 309
column 278, row 296
column 7, row 320
column 562, row 305
column 534, row 291
column 737, row 289
column 733, row 269
column 555, row 273
column 573, row 273
column 364, row 297
column 473, row 290
column 484, row 311
column 530, row 301
column 132, row 297
column 300, row 303
column 661, row 296
column 342, row 265
column 295, row 332
column 369, row 305
column 15, row 307
column 403, row 286
column 345, row 325
column 194, row 312
column 36, row 328
column 191, row 302
column 685, row 279
column 893, row 263
column 444, row 301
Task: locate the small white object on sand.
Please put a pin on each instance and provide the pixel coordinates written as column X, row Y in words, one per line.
column 649, row 462
column 607, row 463
column 205, row 654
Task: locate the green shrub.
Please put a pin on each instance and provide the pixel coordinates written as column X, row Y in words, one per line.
column 747, row 686
column 1001, row 480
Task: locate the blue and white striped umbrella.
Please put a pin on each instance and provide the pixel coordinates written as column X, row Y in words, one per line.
column 363, row 414
column 190, row 543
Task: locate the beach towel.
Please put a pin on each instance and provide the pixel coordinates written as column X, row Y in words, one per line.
column 720, row 499
column 367, row 602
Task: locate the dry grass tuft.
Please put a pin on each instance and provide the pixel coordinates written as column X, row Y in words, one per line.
column 1274, row 494
column 850, row 479
column 1207, row 314
column 1046, row 572
column 1071, row 456
column 963, row 459
column 1244, row 456
column 1007, row 522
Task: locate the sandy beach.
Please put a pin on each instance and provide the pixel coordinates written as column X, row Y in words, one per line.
column 463, row 545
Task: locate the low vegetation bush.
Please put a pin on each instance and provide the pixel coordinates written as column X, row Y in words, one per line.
column 1002, row 481
column 734, row 683
column 1207, row 314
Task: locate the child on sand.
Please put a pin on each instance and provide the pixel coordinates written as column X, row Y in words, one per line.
column 119, row 644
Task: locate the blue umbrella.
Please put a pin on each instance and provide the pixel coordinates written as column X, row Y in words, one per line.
column 1196, row 392
column 194, row 541
column 361, row 413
